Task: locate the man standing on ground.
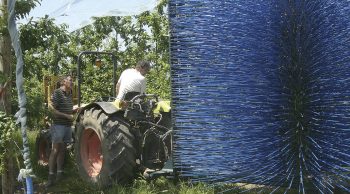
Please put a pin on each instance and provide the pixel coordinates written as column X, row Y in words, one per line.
column 61, row 132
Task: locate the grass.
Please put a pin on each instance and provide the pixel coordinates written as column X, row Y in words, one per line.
column 72, row 183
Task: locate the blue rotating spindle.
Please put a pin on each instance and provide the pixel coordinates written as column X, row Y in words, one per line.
column 261, row 92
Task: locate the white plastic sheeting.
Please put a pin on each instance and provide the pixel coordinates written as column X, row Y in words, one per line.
column 78, row 13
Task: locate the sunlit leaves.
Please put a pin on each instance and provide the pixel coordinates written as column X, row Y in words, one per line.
column 23, row 7
column 50, row 49
column 45, row 46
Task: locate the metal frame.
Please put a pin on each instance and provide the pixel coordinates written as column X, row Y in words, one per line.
column 95, row 53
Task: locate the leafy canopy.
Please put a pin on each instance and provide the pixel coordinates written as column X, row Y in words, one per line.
column 49, row 49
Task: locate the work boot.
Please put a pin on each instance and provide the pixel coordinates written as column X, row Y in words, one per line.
column 51, row 180
column 147, row 173
column 59, row 176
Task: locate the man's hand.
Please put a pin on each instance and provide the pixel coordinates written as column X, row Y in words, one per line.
column 76, row 108
column 70, row 117
column 57, row 113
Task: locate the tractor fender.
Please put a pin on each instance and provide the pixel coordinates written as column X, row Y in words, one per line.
column 107, row 107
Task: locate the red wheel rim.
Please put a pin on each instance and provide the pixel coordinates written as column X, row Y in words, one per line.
column 43, row 152
column 91, row 152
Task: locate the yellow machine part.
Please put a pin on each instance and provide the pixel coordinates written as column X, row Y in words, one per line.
column 162, row 106
column 51, row 82
column 118, row 104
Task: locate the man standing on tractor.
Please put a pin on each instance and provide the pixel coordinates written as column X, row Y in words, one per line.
column 61, row 132
column 131, row 83
column 132, row 80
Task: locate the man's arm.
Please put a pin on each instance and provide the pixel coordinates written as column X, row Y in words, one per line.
column 117, row 87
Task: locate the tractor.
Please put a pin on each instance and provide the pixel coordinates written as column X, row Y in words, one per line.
column 114, row 140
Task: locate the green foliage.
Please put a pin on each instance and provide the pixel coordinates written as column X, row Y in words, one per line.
column 97, row 82
column 50, row 49
column 3, row 21
column 23, row 7
column 142, row 37
column 2, row 78
column 44, row 46
column 36, row 109
column 7, row 131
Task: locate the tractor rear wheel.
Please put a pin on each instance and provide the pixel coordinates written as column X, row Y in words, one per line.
column 104, row 149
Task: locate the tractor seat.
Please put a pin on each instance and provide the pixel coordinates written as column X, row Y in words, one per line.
column 130, row 95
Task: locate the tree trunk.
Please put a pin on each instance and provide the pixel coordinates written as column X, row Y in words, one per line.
column 8, row 178
column 5, row 68
column 5, row 64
